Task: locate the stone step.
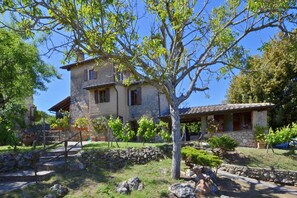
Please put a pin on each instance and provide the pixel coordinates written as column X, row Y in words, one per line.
column 25, row 176
column 61, row 150
column 11, row 186
column 47, row 157
column 52, row 166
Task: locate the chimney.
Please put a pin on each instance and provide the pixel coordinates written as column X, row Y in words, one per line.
column 80, row 56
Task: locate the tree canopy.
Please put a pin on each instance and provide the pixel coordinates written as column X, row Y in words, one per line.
column 162, row 42
column 271, row 78
column 21, row 73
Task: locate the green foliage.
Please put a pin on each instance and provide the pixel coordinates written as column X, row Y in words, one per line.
column 116, row 126
column 200, row 157
column 100, row 125
column 146, row 128
column 127, row 133
column 260, row 133
column 163, row 131
column 193, row 127
column 186, row 38
column 120, row 131
column 81, row 122
column 212, row 126
column 223, row 143
column 282, row 135
column 270, row 78
column 22, row 72
column 62, row 122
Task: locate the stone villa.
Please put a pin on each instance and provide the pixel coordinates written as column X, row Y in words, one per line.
column 97, row 89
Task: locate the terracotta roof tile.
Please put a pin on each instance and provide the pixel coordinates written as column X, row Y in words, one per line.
column 224, row 107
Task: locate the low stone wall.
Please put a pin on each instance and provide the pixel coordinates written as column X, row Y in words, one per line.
column 11, row 161
column 114, row 159
column 264, row 174
column 245, row 138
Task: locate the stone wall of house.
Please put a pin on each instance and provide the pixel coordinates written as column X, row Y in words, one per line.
column 264, row 174
column 245, row 138
column 150, row 105
column 79, row 106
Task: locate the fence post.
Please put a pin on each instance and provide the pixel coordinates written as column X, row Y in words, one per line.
column 80, row 136
column 35, row 165
column 66, row 152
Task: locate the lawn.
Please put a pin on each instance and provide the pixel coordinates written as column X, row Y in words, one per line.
column 260, row 158
column 122, row 145
column 102, row 183
column 22, row 149
column 97, row 181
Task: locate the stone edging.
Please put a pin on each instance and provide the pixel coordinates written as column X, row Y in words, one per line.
column 264, row 174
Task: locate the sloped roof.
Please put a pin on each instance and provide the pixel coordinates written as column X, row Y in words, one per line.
column 68, row 67
column 191, row 114
column 225, row 107
column 64, row 105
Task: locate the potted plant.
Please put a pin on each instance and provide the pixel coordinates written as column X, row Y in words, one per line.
column 82, row 124
column 260, row 136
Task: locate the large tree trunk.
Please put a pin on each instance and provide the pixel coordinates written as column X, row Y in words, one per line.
column 176, row 140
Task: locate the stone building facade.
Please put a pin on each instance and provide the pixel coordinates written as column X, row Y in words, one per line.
column 98, row 90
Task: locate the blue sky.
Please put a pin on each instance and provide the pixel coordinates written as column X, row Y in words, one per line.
column 60, row 89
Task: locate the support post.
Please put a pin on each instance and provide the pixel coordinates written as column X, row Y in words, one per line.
column 35, row 165
column 66, row 152
column 80, row 137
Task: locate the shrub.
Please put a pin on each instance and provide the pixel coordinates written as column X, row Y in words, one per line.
column 81, row 123
column 146, row 128
column 62, row 122
column 260, row 133
column 116, row 126
column 163, row 131
column 200, row 157
column 100, row 125
column 282, row 135
column 120, row 131
column 223, row 143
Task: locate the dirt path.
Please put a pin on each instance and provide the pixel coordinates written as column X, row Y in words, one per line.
column 238, row 186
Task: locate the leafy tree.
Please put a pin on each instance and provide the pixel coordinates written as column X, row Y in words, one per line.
column 21, row 73
column 282, row 135
column 163, row 130
column 186, row 39
column 146, row 128
column 128, row 134
column 271, row 78
column 120, row 131
column 116, row 126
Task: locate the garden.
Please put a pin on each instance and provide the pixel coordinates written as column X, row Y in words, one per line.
column 108, row 164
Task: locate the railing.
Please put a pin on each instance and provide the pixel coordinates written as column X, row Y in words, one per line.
column 36, row 154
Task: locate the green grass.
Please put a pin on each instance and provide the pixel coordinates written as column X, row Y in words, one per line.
column 21, row 149
column 122, row 145
column 101, row 183
column 278, row 160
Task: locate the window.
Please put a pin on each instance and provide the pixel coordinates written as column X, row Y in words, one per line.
column 101, row 96
column 104, row 95
column 92, row 74
column 135, row 96
column 96, row 98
